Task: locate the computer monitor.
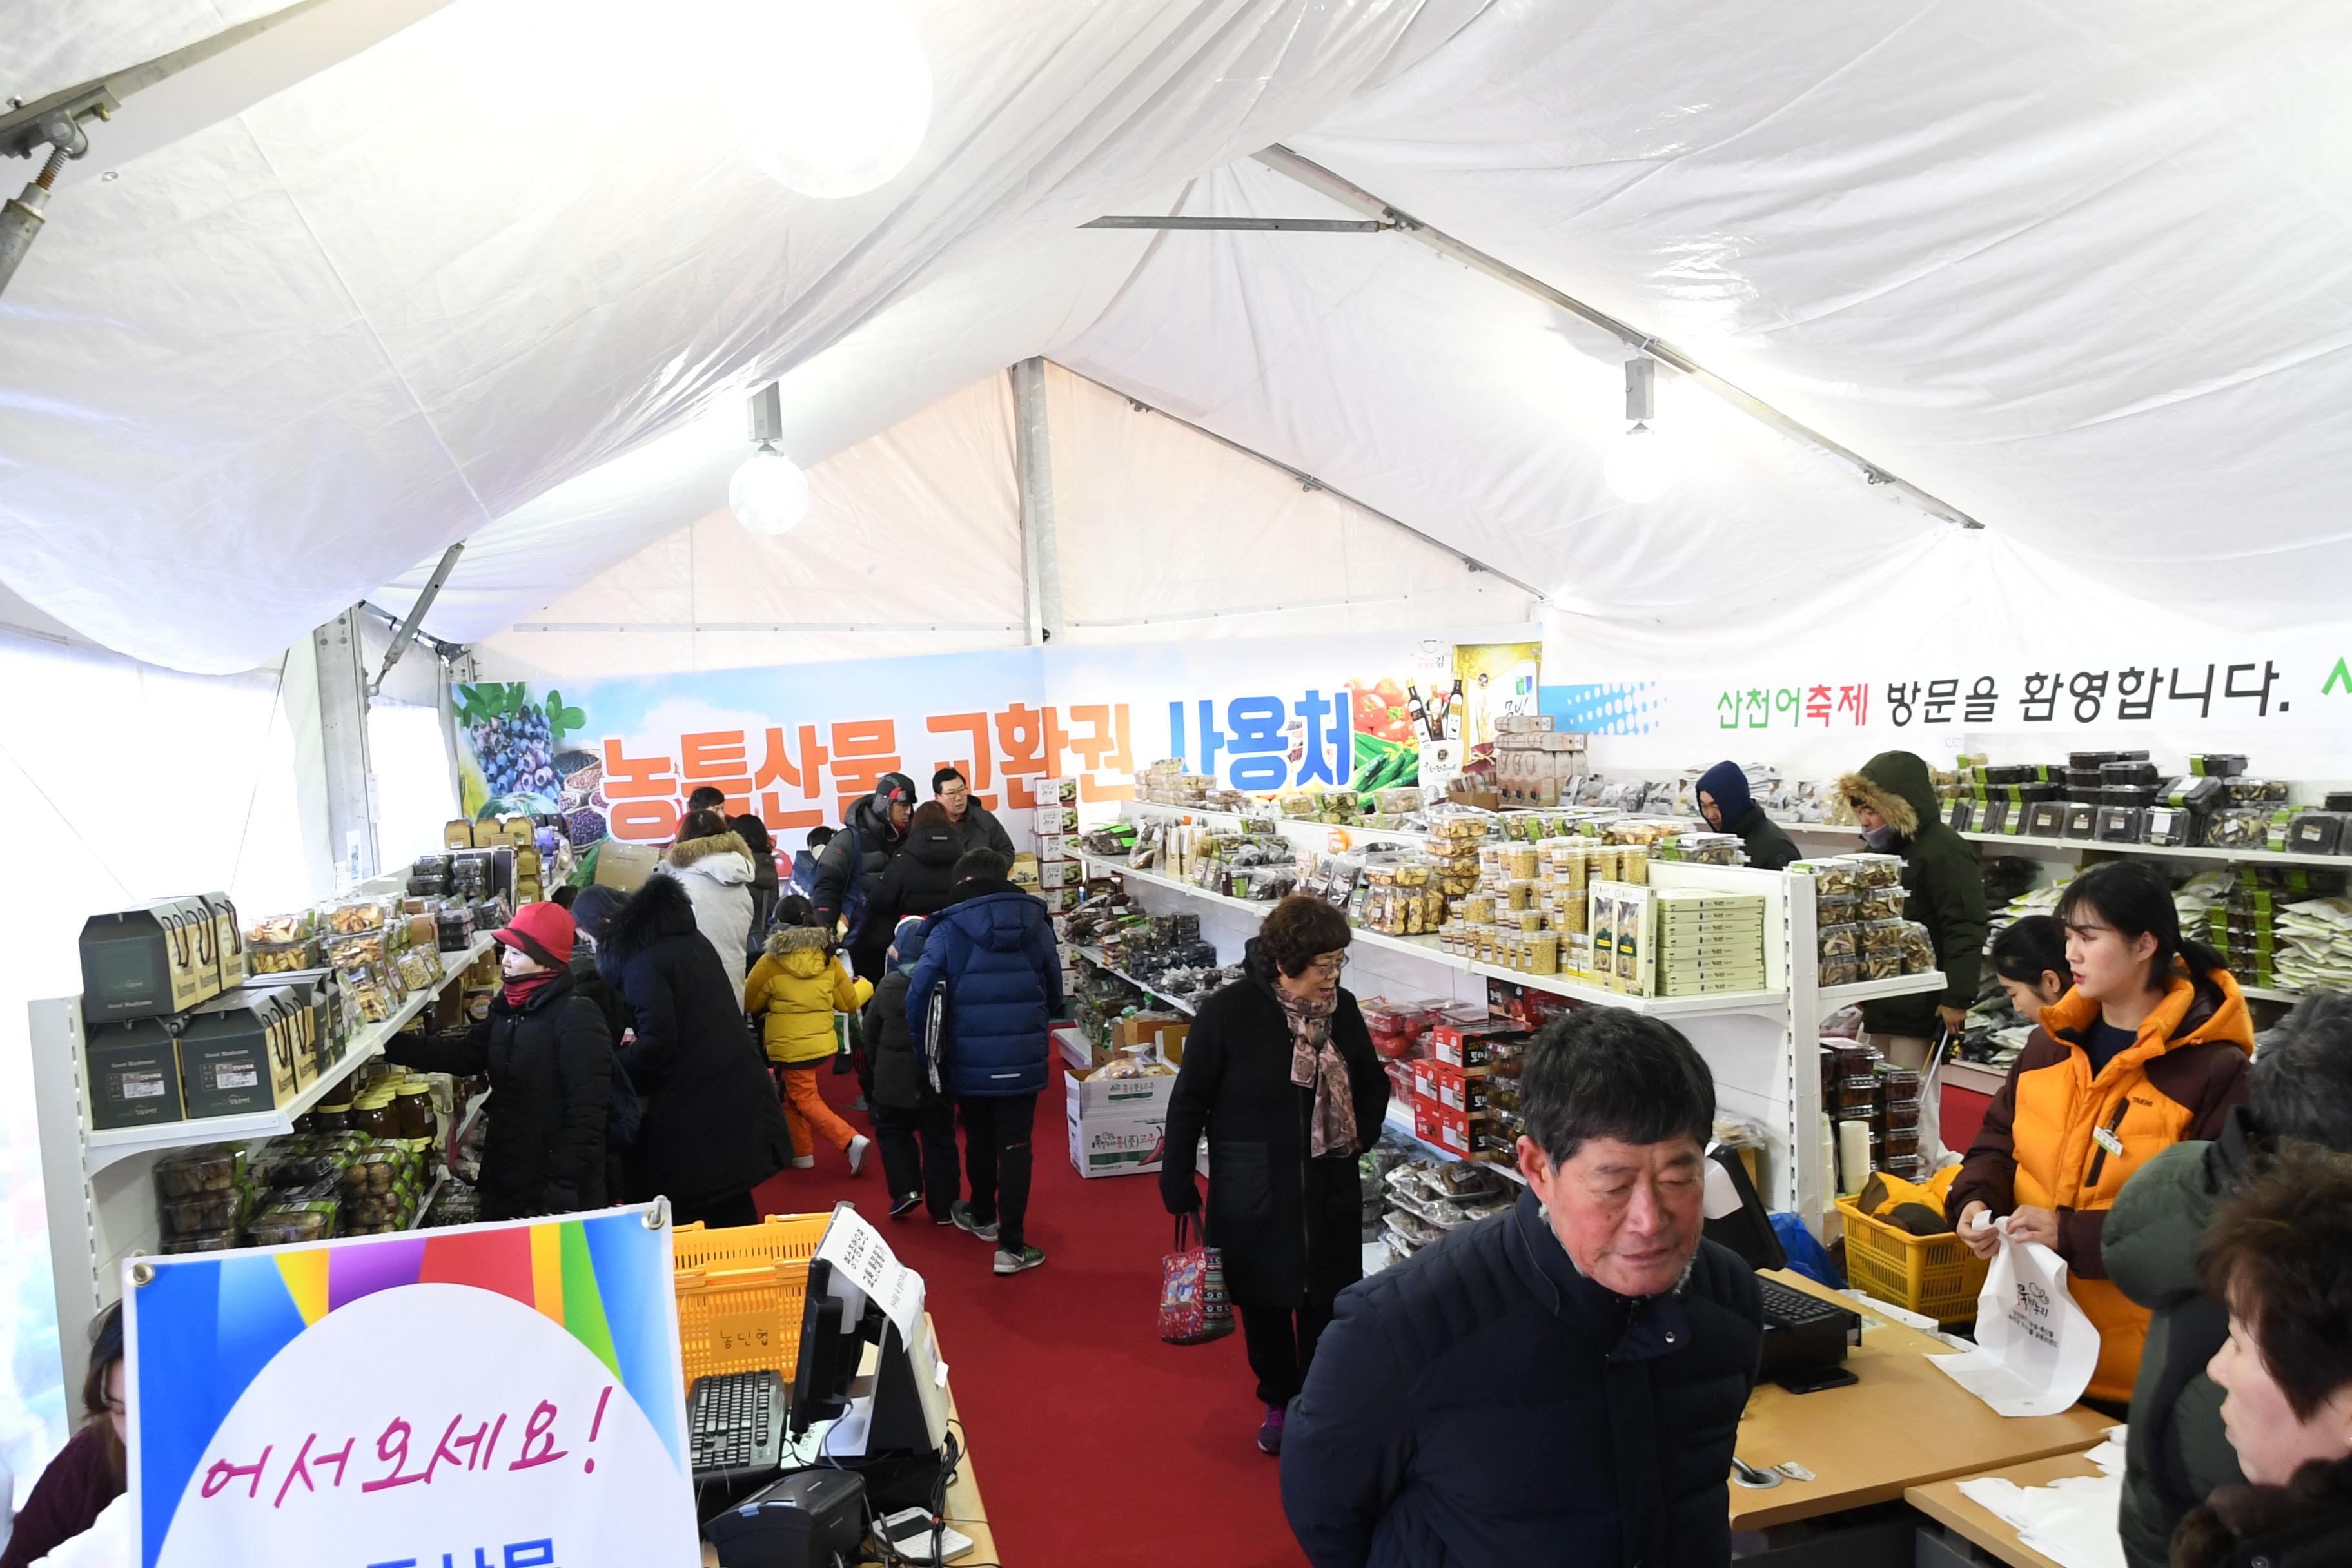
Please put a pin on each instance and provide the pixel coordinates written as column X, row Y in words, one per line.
column 900, row 1405
column 1735, row 1214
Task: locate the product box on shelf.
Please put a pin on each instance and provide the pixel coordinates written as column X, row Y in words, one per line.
column 242, row 1053
column 1053, row 847
column 1025, row 870
column 133, row 1069
column 457, row 832
column 1058, row 874
column 149, row 962
column 228, row 938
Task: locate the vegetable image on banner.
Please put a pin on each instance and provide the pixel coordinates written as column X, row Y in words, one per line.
column 508, row 1395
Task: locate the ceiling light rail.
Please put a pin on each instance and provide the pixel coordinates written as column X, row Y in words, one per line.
column 1338, row 188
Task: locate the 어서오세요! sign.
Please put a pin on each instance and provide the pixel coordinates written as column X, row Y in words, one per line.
column 485, row 1396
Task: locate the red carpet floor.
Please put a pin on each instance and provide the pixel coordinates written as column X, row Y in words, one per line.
column 1093, row 1442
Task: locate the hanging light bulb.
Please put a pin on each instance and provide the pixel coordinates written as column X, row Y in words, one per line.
column 1639, row 468
column 830, row 97
column 769, row 494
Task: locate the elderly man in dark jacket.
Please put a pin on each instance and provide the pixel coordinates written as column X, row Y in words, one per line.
column 712, row 1127
column 975, row 826
column 1560, row 1384
column 994, row 952
column 2178, row 1455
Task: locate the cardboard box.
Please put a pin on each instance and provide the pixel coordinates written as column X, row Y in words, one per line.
column 1055, row 819
column 1057, row 792
column 132, row 1071
column 240, row 1053
column 457, row 832
column 1052, row 847
column 1117, row 1125
column 624, row 865
column 1024, row 870
column 1058, row 874
column 149, row 962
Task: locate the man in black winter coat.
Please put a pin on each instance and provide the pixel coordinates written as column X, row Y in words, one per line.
column 712, row 1128
column 872, row 833
column 1560, row 1384
column 920, row 880
column 550, row 1060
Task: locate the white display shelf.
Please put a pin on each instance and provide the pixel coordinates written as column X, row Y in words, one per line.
column 1836, row 997
column 1428, row 948
column 2157, row 851
column 1404, row 1129
column 104, row 1147
column 1094, row 955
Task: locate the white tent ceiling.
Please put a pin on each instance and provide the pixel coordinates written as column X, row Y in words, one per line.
column 2080, row 271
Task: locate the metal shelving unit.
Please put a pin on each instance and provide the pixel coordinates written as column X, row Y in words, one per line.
column 1094, row 955
column 98, row 1183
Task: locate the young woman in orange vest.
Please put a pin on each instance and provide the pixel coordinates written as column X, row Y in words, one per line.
column 2148, row 1048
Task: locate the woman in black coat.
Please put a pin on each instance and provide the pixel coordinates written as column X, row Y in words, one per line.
column 550, row 1060
column 1279, row 1072
column 918, row 881
column 712, row 1128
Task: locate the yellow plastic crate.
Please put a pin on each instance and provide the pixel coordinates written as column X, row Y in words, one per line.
column 1936, row 1276
column 740, row 1293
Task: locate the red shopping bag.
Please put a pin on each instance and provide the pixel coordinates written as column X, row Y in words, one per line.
column 1193, row 1306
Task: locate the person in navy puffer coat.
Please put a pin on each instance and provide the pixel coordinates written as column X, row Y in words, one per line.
column 993, row 951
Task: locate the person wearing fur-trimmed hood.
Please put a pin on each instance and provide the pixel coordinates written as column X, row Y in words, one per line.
column 794, row 990
column 714, row 866
column 1894, row 802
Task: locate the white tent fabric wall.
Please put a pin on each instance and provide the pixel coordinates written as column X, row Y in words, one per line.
column 1163, row 533
column 913, row 545
column 119, row 783
column 413, row 796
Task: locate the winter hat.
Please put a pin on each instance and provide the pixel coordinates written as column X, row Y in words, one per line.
column 593, row 910
column 540, row 931
column 1728, row 785
column 894, row 789
column 907, row 941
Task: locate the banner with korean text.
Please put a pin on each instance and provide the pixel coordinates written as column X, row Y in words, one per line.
column 2288, row 694
column 508, row 1395
column 798, row 745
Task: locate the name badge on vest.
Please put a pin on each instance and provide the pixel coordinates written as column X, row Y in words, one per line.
column 2108, row 1140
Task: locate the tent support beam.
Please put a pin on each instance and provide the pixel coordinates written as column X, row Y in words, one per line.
column 1250, row 225
column 405, row 633
column 343, row 741
column 1309, row 482
column 672, row 628
column 1346, row 192
column 1041, row 556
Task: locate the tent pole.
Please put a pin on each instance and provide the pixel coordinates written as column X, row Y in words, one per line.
column 1041, row 566
column 343, row 740
column 1308, row 481
column 1346, row 192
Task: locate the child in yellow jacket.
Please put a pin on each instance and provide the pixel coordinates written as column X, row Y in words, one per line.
column 795, row 989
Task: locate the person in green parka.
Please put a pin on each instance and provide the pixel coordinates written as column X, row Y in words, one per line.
column 2177, row 1454
column 1894, row 802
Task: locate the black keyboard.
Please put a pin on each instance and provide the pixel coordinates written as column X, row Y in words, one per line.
column 735, row 1425
column 1791, row 1308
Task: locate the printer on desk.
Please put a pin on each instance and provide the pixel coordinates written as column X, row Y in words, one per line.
column 1802, row 1332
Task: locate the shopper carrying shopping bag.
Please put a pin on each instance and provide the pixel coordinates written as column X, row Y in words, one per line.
column 993, row 952
column 796, row 990
column 1194, row 1307
column 1279, row 1075
column 1894, row 802
column 2147, row 1049
column 912, row 1121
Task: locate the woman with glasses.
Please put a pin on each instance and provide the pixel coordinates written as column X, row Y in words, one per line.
column 975, row 826
column 1279, row 1073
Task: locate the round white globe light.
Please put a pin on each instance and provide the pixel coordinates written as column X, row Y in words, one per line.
column 1639, row 468
column 830, row 97
column 769, row 494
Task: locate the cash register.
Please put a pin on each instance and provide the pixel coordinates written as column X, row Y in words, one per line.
column 1804, row 1335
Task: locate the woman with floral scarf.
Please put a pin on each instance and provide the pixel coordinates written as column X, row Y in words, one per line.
column 1280, row 1074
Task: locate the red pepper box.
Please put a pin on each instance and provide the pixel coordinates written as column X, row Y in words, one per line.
column 1449, row 1130
column 1425, row 1113
column 1425, row 1079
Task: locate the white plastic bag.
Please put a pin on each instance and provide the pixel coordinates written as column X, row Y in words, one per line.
column 2035, row 1348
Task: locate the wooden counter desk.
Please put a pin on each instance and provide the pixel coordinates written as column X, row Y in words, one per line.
column 1942, row 1501
column 1902, row 1424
